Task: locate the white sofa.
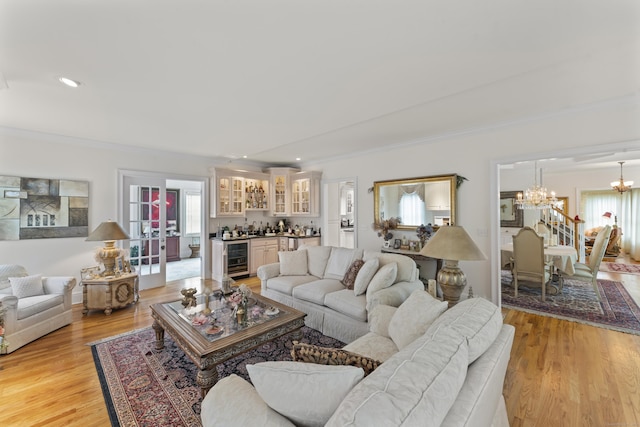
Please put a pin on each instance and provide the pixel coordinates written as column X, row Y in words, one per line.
column 314, row 285
column 40, row 305
column 452, row 374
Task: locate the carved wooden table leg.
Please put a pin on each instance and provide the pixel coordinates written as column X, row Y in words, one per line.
column 207, row 378
column 107, row 309
column 159, row 335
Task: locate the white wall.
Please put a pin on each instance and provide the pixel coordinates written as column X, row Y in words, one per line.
column 472, row 154
column 476, row 155
column 40, row 156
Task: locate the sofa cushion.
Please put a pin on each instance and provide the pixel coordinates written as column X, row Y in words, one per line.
column 406, row 266
column 243, row 411
column 286, row 284
column 384, row 277
column 317, row 257
column 374, row 346
column 477, row 320
column 29, row 306
column 316, row 291
column 347, row 303
column 309, row 353
column 349, row 278
column 366, row 273
column 415, row 387
column 293, row 263
column 339, row 262
column 27, row 286
column 305, row 393
column 414, row 316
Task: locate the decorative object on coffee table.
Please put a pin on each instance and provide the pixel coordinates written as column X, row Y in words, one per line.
column 452, row 244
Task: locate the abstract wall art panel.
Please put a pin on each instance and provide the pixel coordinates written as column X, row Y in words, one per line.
column 37, row 208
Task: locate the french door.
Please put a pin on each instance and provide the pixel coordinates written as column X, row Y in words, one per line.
column 144, row 216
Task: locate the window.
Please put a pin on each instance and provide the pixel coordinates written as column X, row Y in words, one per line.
column 192, row 213
column 596, row 203
column 412, row 209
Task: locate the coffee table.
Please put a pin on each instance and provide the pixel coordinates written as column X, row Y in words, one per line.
column 209, row 334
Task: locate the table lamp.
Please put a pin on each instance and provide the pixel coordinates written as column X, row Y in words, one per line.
column 452, row 244
column 109, row 232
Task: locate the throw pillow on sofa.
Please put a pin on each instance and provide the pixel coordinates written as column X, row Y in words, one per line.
column 299, row 390
column 366, row 273
column 339, row 262
column 414, row 316
column 477, row 320
column 384, row 277
column 350, row 276
column 27, row 286
column 309, row 353
column 293, row 263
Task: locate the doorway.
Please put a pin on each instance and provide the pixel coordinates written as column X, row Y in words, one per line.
column 340, row 213
column 165, row 218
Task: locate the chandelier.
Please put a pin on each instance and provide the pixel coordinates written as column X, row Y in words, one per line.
column 622, row 185
column 535, row 197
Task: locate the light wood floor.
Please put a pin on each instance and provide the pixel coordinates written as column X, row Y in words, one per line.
column 561, row 373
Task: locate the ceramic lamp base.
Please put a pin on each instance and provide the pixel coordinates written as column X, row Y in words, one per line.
column 452, row 282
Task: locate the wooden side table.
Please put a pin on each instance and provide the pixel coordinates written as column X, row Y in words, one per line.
column 107, row 293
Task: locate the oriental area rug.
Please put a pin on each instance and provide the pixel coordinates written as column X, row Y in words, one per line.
column 618, row 267
column 145, row 387
column 578, row 303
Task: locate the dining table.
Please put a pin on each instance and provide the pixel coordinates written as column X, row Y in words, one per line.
column 564, row 257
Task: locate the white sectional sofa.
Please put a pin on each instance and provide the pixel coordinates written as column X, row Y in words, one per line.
column 440, row 370
column 311, row 280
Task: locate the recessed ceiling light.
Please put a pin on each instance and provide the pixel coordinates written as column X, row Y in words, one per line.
column 244, row 157
column 69, row 82
column 298, row 158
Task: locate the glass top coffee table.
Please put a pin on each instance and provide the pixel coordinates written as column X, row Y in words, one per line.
column 210, row 333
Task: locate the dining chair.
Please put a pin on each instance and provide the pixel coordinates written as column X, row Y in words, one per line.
column 589, row 272
column 529, row 263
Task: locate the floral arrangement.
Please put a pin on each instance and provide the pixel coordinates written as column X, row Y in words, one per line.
column 384, row 225
column 240, row 297
column 424, row 232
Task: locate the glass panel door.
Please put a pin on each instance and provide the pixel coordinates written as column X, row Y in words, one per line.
column 146, row 219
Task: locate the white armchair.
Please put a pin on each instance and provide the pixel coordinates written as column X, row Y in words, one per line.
column 27, row 318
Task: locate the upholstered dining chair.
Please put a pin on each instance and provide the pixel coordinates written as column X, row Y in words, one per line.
column 589, row 272
column 529, row 263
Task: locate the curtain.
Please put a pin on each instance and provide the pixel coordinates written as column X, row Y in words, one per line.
column 630, row 210
column 625, row 210
column 595, row 204
column 412, row 209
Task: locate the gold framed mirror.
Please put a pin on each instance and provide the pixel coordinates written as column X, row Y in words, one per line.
column 416, row 201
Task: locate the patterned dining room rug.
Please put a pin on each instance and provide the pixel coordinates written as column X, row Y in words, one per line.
column 578, row 303
column 618, row 267
column 145, row 387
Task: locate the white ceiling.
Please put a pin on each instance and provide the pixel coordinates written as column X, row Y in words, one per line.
column 275, row 80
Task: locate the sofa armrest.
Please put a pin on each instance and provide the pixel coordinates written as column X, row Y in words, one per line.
column 266, row 272
column 62, row 285
column 234, row 402
column 394, row 295
column 58, row 285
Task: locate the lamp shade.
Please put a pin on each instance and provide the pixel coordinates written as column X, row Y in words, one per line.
column 108, row 230
column 452, row 243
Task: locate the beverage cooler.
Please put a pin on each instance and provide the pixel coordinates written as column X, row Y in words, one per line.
column 229, row 258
